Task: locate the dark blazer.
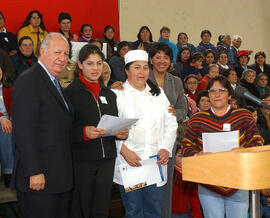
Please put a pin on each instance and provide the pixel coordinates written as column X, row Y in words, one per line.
column 42, row 130
column 266, row 69
column 239, row 70
column 87, row 112
column 174, row 91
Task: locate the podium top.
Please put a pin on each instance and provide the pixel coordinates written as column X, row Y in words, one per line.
column 247, row 168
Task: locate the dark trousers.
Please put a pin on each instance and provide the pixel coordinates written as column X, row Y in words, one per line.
column 43, row 205
column 92, row 188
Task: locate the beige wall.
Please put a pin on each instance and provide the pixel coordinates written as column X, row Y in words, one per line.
column 248, row 18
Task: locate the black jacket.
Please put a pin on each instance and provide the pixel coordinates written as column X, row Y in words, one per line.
column 21, row 63
column 87, row 112
column 266, row 69
column 42, row 130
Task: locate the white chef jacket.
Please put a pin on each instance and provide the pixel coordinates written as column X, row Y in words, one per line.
column 156, row 128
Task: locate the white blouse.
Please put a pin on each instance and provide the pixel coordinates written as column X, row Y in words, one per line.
column 155, row 129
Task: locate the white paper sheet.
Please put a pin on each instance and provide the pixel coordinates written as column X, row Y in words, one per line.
column 220, row 141
column 112, row 124
column 148, row 174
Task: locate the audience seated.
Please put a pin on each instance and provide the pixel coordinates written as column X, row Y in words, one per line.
column 182, row 60
column 117, row 63
column 261, row 83
column 222, row 62
column 260, row 66
column 144, row 35
column 212, row 71
column 109, row 39
column 248, row 81
column 236, row 43
column 86, row 33
column 225, row 45
column 8, row 40
column 165, row 37
column 209, row 58
column 7, row 66
column 202, row 101
column 191, row 86
column 263, row 123
column 205, row 43
column 242, row 61
column 25, row 57
column 33, row 27
column 194, row 66
column 182, row 41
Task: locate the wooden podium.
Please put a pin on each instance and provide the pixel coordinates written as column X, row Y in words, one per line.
column 247, row 169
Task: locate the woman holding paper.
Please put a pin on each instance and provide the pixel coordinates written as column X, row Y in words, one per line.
column 221, row 117
column 153, row 134
column 93, row 155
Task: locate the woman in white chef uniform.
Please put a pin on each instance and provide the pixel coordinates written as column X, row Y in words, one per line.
column 154, row 133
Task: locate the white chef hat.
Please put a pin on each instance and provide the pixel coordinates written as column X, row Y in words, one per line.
column 136, row 55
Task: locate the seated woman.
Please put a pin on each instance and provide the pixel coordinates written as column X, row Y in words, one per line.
column 202, row 101
column 212, row 71
column 231, row 76
column 93, row 155
column 248, row 81
column 8, row 40
column 263, row 122
column 108, row 38
column 209, row 58
column 242, row 61
column 7, row 146
column 33, row 27
column 117, row 63
column 195, row 66
column 182, row 60
column 154, row 133
column 261, row 83
column 191, row 86
column 25, row 57
column 64, row 21
column 223, row 62
column 182, row 41
column 260, row 65
column 144, row 35
column 217, row 201
column 86, row 33
column 106, row 74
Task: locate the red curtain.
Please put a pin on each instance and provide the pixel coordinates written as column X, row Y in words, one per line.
column 97, row 13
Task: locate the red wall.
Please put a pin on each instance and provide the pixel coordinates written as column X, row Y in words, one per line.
column 98, row 13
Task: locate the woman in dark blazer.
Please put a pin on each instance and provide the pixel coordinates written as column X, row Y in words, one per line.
column 93, row 155
column 161, row 57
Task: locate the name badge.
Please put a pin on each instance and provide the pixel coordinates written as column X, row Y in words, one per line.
column 6, row 39
column 103, row 99
column 227, row 127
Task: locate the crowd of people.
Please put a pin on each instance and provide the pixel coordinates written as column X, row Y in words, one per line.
column 50, row 106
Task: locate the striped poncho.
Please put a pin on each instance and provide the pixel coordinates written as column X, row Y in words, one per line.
column 203, row 122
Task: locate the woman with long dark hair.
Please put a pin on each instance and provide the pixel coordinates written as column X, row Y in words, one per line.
column 93, row 155
column 144, row 35
column 33, row 27
column 109, row 39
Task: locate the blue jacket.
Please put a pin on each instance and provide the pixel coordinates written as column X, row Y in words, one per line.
column 173, row 46
column 202, row 47
column 192, row 47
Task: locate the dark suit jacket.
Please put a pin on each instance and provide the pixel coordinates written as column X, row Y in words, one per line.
column 42, row 130
column 266, row 69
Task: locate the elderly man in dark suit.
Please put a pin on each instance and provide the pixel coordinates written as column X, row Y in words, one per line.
column 42, row 127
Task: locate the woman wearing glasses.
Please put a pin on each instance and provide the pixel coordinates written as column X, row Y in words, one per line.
column 215, row 200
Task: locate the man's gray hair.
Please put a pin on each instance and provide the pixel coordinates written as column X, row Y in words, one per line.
column 235, row 37
column 45, row 44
